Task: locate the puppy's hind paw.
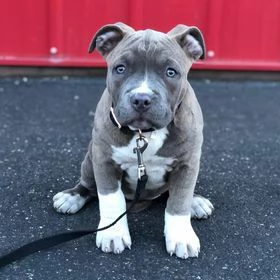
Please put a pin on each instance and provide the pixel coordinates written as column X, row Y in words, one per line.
column 67, row 203
column 201, row 208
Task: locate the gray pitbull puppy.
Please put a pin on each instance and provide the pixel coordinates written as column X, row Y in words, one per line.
column 147, row 89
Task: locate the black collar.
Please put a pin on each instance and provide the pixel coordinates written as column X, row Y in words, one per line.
column 124, row 129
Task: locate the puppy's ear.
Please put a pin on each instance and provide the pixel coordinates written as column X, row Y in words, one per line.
column 108, row 36
column 190, row 39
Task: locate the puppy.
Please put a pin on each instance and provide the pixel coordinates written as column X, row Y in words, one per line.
column 147, row 90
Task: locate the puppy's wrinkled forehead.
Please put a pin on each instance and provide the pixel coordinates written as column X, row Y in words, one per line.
column 145, row 42
column 148, row 41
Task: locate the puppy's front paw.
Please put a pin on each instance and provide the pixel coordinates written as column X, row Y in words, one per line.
column 180, row 237
column 114, row 239
column 202, row 208
column 68, row 203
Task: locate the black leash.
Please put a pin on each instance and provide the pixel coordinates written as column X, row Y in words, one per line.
column 51, row 241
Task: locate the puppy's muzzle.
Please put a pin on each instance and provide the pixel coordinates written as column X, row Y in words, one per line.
column 141, row 102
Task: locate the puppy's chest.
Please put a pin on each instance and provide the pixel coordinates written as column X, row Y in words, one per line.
column 156, row 166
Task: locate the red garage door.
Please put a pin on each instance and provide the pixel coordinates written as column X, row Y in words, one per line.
column 239, row 34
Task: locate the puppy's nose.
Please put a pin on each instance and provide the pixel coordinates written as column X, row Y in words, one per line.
column 141, row 102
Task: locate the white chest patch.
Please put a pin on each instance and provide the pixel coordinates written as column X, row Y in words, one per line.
column 156, row 166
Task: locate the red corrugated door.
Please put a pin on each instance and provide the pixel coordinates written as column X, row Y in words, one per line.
column 239, row 34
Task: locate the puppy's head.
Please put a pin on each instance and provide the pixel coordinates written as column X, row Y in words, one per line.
column 147, row 71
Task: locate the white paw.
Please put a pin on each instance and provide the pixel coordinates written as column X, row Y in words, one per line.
column 202, row 208
column 67, row 203
column 180, row 237
column 114, row 239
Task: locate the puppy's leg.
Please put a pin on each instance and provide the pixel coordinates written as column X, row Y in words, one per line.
column 116, row 238
column 202, row 208
column 72, row 200
column 180, row 237
column 111, row 205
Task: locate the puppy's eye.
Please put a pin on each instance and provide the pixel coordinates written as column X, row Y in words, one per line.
column 120, row 69
column 171, row 72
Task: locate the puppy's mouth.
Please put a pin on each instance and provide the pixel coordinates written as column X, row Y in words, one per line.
column 148, row 120
column 140, row 123
column 134, row 122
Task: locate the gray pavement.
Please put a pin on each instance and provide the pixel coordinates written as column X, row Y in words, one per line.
column 45, row 126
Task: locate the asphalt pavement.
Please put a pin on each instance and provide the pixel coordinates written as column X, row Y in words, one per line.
column 45, row 126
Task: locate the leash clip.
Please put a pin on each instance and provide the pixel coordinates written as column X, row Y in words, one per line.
column 141, row 146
